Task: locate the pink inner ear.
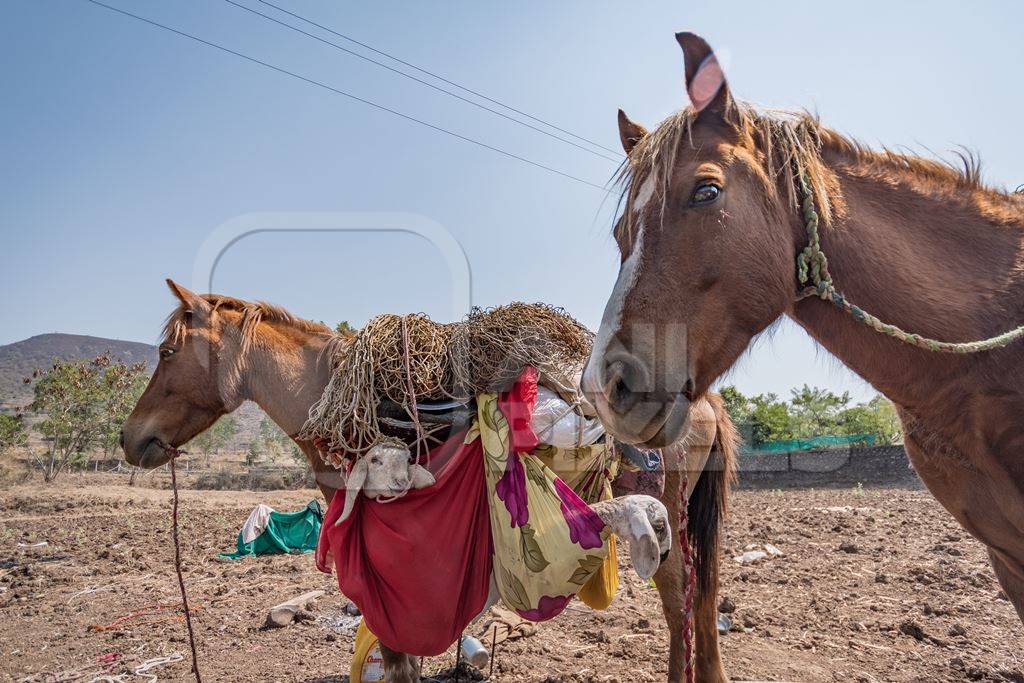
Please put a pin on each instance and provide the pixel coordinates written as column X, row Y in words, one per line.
column 706, row 83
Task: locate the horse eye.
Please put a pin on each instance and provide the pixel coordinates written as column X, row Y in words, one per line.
column 705, row 194
column 166, row 353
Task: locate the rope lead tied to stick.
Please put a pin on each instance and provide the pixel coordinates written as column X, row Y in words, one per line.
column 174, row 453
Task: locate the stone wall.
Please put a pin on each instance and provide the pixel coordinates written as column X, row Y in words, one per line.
column 877, row 466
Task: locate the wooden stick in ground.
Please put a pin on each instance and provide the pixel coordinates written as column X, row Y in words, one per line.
column 181, row 578
column 283, row 614
column 494, row 645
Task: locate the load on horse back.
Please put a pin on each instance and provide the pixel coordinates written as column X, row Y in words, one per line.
column 219, row 351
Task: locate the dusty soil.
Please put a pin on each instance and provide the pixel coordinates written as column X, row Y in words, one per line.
column 874, row 585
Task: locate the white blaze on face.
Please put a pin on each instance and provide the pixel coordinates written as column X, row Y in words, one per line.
column 629, row 273
column 644, row 194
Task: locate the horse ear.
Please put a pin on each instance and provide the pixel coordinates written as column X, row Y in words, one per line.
column 630, row 133
column 192, row 301
column 705, row 80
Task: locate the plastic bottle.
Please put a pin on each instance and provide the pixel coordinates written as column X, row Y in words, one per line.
column 475, row 652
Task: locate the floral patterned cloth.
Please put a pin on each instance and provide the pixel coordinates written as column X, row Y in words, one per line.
column 548, row 543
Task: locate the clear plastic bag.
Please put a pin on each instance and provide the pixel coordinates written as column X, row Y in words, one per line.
column 557, row 423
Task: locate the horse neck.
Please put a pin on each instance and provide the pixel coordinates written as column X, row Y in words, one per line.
column 285, row 375
column 927, row 259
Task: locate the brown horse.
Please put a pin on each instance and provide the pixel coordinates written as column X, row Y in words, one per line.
column 709, row 237
column 218, row 352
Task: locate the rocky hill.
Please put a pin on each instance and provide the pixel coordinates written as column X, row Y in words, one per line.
column 18, row 360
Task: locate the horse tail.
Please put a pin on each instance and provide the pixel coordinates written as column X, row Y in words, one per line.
column 709, row 501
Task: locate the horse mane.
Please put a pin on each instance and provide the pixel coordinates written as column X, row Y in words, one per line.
column 252, row 313
column 787, row 143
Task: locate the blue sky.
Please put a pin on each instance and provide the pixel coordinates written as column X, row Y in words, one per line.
column 124, row 147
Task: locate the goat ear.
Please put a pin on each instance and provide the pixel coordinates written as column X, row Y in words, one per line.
column 643, row 547
column 353, row 486
column 420, row 477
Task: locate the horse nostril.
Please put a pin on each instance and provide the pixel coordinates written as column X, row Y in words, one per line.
column 621, row 387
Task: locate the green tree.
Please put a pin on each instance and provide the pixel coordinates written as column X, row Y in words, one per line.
column 12, row 432
column 737, row 405
column 276, row 442
column 123, row 385
column 811, row 412
column 211, row 441
column 759, row 418
column 81, row 408
column 770, row 419
column 815, row 412
column 877, row 417
column 344, row 328
column 270, row 443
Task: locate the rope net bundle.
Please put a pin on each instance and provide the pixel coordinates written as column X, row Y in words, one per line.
column 411, row 358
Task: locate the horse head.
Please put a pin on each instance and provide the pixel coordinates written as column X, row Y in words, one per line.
column 707, row 248
column 197, row 380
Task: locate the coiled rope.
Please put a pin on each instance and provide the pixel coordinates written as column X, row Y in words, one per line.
column 814, row 276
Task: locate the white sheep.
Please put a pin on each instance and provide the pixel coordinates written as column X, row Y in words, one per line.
column 642, row 521
column 384, row 470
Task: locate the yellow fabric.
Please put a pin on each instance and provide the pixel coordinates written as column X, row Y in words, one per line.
column 536, row 563
column 599, row 592
column 367, row 664
column 589, row 471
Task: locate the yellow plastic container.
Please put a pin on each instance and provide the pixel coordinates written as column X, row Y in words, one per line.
column 367, row 664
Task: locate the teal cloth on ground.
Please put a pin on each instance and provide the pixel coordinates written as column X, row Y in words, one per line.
column 286, row 533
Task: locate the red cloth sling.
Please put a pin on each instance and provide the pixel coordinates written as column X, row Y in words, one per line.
column 419, row 567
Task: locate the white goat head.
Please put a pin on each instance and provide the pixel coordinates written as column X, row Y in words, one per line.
column 384, row 470
column 642, row 521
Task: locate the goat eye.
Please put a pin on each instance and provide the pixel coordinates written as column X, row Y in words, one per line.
column 375, row 461
column 705, row 194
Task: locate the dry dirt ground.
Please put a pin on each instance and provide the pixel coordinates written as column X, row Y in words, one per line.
column 874, row 585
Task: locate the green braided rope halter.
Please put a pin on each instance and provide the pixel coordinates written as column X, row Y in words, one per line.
column 813, row 274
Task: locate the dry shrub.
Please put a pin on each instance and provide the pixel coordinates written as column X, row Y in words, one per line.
column 255, row 479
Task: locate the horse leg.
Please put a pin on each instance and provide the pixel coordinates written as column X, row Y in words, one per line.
column 399, row 667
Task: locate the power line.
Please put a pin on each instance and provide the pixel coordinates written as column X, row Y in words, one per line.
column 442, row 78
column 332, row 89
column 420, row 80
